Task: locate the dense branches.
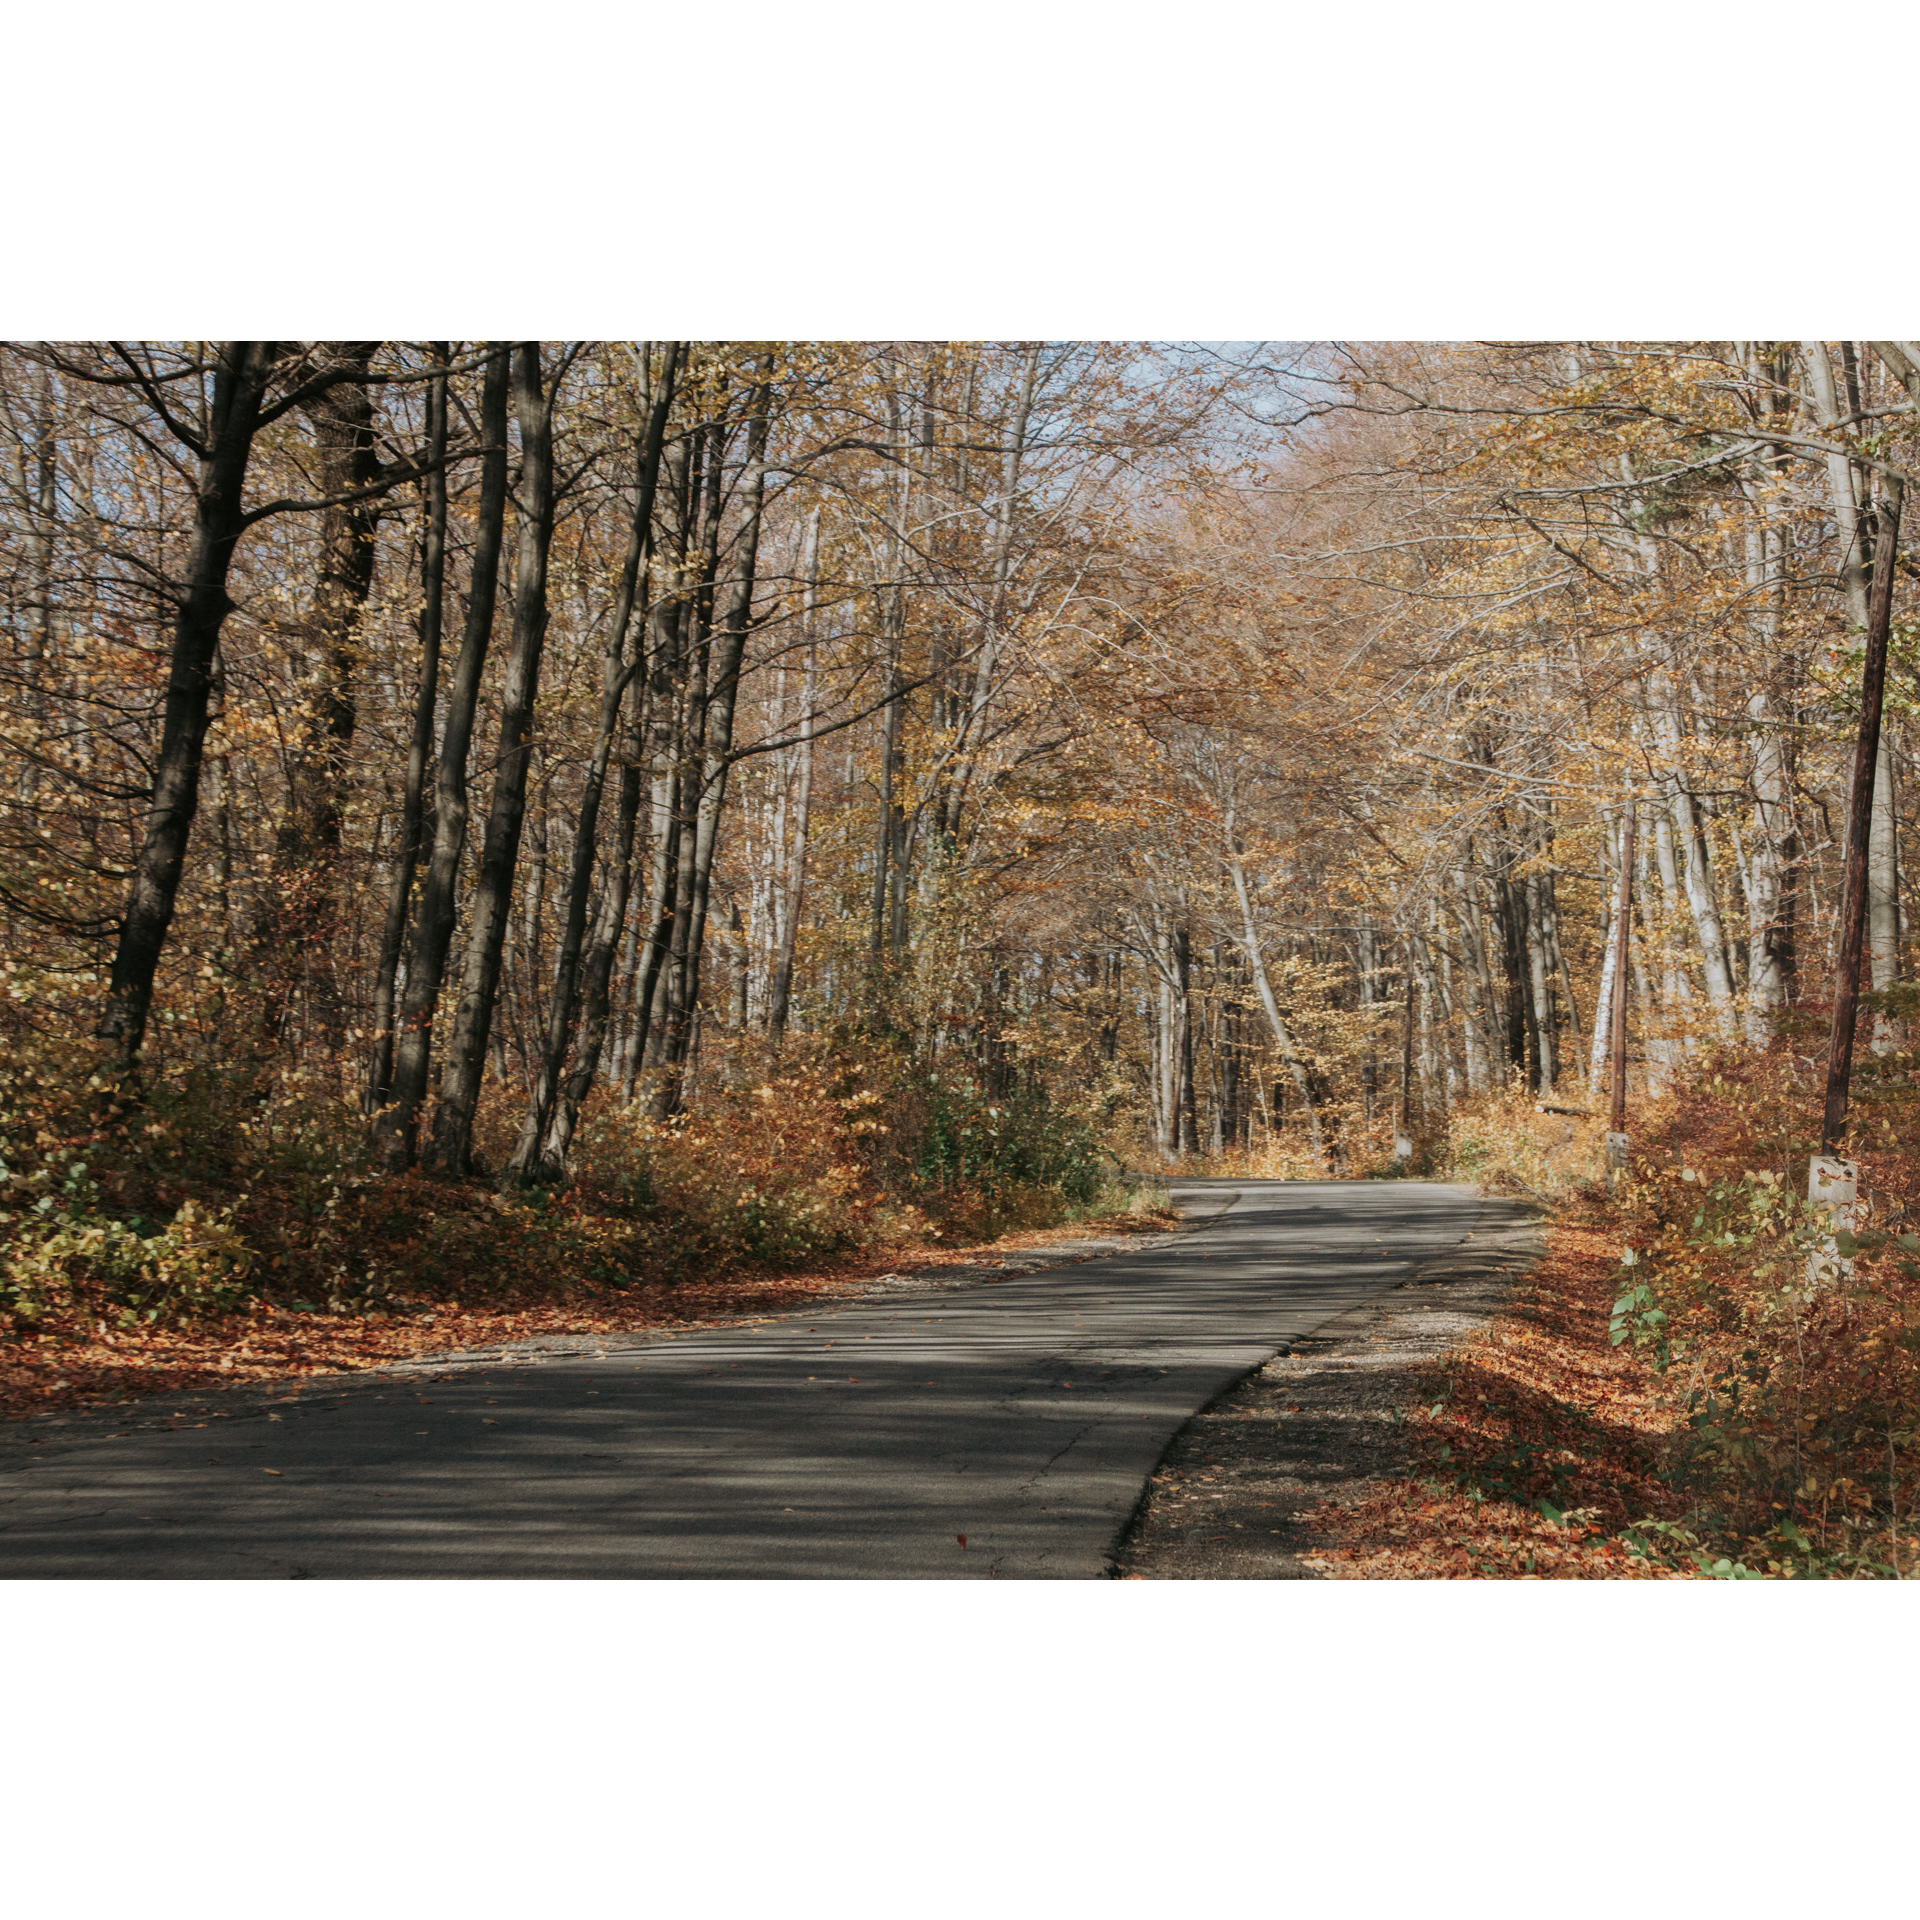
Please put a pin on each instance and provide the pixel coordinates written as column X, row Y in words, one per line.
column 1222, row 741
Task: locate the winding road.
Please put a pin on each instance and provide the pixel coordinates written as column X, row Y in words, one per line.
column 988, row 1430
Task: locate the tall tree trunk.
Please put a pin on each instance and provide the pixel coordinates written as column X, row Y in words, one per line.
column 723, row 693
column 890, row 839
column 1833, row 1126
column 1477, row 1036
column 679, row 980
column 1540, row 987
column 492, row 901
column 397, row 1126
column 1702, row 900
column 299, row 931
column 1610, row 973
column 1770, row 885
column 242, row 369
column 616, row 674
column 972, row 720
column 433, row 573
column 1509, row 906
column 1365, row 967
column 1856, row 569
column 669, row 625
column 1184, row 1111
column 780, row 986
column 1250, row 946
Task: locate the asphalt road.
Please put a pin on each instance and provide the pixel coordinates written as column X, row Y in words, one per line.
column 993, row 1430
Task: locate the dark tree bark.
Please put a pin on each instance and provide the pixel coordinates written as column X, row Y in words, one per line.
column 295, row 933
column 242, row 369
column 1186, row 1118
column 506, row 809
column 679, row 984
column 668, row 627
column 1510, row 908
column 1866, row 753
column 720, row 696
column 433, row 569
column 397, row 1127
column 534, row 1153
column 890, row 845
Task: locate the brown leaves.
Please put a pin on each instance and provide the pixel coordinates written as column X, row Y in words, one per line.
column 1539, row 1408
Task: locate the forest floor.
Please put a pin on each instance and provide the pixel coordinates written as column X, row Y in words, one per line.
column 1473, row 1424
column 53, row 1373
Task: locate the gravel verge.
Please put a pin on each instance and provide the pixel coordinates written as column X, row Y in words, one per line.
column 1319, row 1423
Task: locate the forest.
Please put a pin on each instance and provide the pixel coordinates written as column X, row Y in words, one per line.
column 545, row 826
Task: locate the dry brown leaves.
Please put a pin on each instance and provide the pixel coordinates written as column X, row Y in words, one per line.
column 1535, row 1408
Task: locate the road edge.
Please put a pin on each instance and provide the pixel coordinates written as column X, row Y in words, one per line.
column 1318, row 1420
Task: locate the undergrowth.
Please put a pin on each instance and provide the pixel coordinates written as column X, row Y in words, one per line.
column 1703, row 1378
column 223, row 1192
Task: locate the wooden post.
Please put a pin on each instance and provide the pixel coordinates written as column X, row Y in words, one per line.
column 1866, row 753
column 1623, row 932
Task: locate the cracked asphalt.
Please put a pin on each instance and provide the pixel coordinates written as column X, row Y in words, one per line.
column 997, row 1429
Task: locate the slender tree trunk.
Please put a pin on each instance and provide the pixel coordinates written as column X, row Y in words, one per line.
column 1477, row 1029
column 1250, row 946
column 617, row 673
column 1770, row 885
column 506, row 809
column 1676, row 989
column 1509, row 905
column 1364, row 965
column 987, row 658
column 728, row 661
column 242, row 369
column 298, row 932
column 893, row 622
column 397, row 1126
column 1610, row 972
column 780, row 988
column 679, row 982
column 1185, row 1116
column 1856, row 568
column 1623, row 948
column 36, row 471
column 1833, row 1129
column 1540, row 988
column 668, row 628
column 1702, row 900
column 433, row 570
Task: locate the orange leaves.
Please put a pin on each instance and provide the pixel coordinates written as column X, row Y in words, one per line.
column 1533, row 1445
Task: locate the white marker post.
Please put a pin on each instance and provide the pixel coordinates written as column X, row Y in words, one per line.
column 1833, row 1189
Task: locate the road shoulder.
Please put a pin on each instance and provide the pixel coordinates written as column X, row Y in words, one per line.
column 1319, row 1423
